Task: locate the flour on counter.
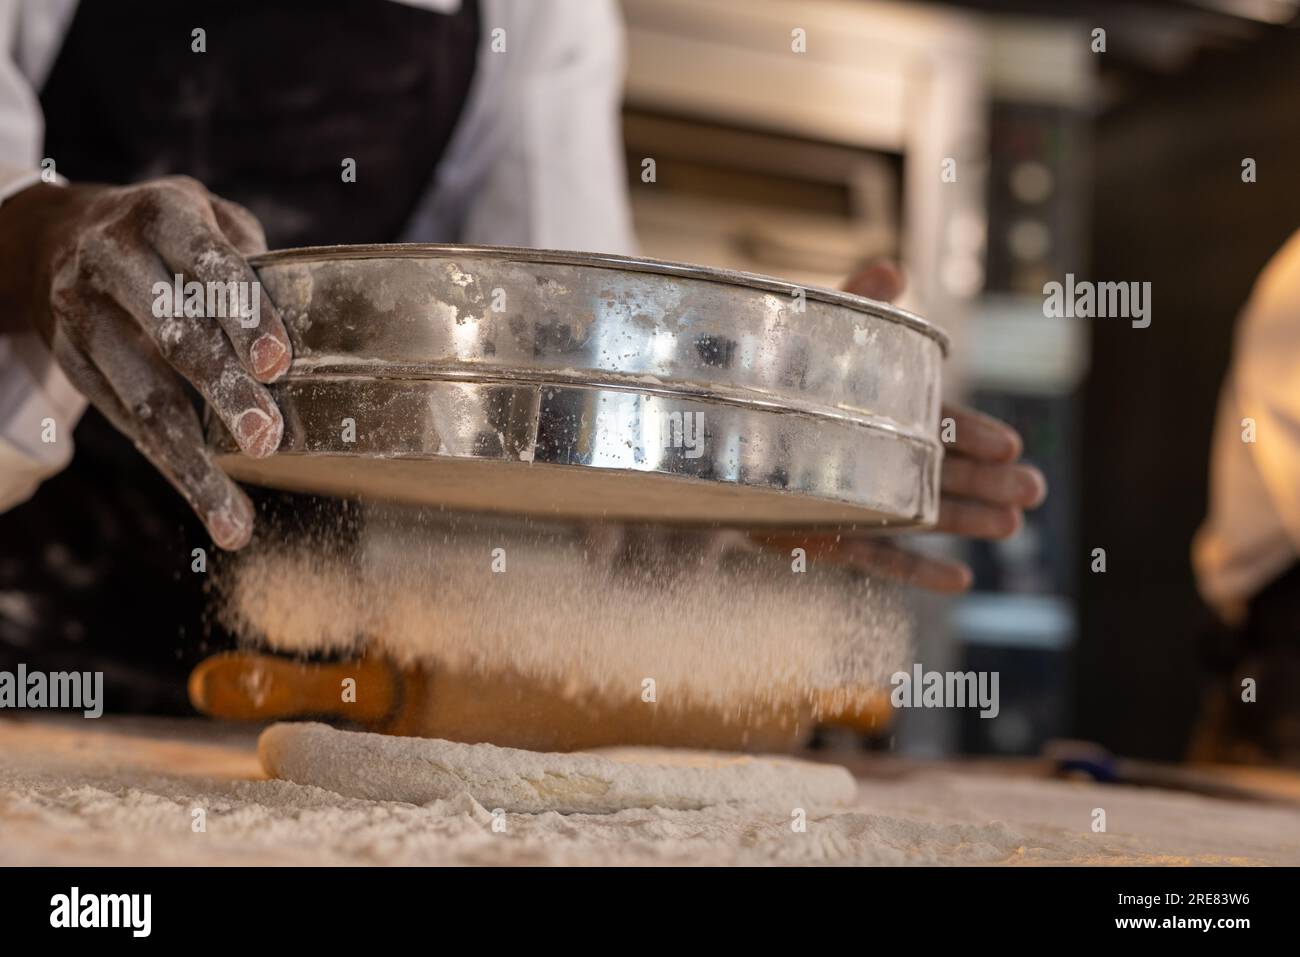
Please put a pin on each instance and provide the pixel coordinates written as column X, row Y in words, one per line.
column 113, row 792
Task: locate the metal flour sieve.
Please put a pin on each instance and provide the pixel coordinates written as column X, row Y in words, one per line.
column 583, row 386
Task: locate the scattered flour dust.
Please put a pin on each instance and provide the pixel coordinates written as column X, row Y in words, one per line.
column 715, row 620
column 116, row 791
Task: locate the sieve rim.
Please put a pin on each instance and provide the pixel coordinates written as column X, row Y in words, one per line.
column 559, row 257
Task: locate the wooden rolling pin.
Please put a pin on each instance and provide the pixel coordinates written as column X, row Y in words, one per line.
column 506, row 710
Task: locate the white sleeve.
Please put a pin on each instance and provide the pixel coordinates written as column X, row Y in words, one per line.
column 555, row 177
column 38, row 406
column 1252, row 530
column 1265, row 383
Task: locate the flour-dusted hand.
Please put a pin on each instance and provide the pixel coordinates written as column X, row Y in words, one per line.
column 137, row 288
column 984, row 488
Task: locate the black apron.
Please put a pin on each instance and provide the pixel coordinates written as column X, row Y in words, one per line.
column 95, row 569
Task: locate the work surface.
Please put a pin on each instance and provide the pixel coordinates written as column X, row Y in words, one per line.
column 127, row 791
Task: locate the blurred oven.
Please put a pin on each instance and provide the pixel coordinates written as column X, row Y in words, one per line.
column 800, row 138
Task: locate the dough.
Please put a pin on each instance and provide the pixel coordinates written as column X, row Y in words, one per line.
column 419, row 770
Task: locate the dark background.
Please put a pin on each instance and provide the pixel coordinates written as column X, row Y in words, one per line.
column 1170, row 206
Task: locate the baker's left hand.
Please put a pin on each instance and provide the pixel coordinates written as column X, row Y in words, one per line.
column 984, row 489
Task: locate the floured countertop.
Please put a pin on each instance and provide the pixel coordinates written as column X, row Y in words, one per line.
column 116, row 791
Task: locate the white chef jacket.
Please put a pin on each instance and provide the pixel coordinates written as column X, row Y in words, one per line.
column 535, row 160
column 1252, row 532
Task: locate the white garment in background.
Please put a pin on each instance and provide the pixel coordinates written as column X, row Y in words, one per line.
column 535, row 160
column 1252, row 532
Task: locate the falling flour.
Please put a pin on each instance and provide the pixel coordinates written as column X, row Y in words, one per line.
column 693, row 618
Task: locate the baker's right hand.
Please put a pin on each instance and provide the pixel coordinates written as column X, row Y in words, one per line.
column 85, row 262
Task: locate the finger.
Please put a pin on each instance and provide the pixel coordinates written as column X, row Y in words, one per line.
column 981, row 436
column 997, row 484
column 978, row 520
column 881, row 280
column 239, row 226
column 908, row 567
column 880, row 558
column 141, row 397
column 90, row 382
column 194, row 347
column 190, row 243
